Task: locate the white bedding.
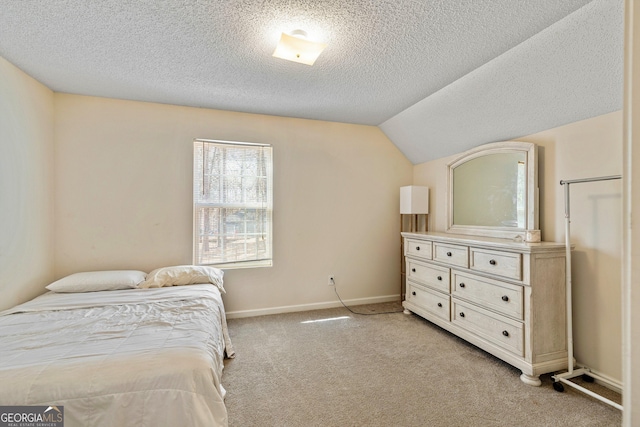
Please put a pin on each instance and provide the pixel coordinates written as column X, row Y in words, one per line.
column 143, row 357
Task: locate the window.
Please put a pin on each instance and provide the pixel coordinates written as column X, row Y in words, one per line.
column 232, row 201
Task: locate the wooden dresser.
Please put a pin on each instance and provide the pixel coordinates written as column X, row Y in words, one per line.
column 506, row 297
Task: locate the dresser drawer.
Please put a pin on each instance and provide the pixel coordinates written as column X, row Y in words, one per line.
column 503, row 264
column 427, row 274
column 417, row 248
column 451, row 254
column 499, row 330
column 432, row 301
column 502, row 297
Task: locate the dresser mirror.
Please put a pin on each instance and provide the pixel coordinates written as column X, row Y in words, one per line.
column 493, row 191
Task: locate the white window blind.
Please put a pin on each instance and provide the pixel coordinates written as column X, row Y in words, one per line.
column 232, row 197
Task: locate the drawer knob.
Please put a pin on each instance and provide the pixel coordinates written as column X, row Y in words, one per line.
column 505, row 333
column 413, row 293
column 417, row 248
column 413, row 270
column 439, row 304
column 505, row 298
column 462, row 285
column 492, row 261
column 461, row 314
column 439, row 277
column 449, row 254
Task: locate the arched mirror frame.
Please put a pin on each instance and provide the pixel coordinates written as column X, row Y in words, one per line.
column 530, row 230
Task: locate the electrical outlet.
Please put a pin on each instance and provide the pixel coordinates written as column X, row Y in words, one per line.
column 332, row 280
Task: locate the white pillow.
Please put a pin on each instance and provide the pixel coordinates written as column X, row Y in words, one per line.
column 183, row 275
column 91, row 281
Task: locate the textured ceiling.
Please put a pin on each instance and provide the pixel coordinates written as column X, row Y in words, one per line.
column 403, row 64
column 568, row 72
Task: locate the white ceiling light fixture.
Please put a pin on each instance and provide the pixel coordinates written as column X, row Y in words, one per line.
column 297, row 47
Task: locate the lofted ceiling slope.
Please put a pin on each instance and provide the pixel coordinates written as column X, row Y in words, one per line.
column 438, row 76
column 568, row 72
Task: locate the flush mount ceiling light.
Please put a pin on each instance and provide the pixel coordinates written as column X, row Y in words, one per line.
column 297, row 48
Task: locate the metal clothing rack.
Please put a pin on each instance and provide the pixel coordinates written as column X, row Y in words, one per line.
column 560, row 379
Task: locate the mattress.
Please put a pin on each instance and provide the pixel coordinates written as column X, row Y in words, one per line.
column 143, row 357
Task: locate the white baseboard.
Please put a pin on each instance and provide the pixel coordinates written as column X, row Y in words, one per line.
column 607, row 381
column 308, row 307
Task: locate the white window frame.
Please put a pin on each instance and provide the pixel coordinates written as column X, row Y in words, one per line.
column 262, row 258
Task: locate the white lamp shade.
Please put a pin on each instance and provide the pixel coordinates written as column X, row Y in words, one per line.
column 414, row 200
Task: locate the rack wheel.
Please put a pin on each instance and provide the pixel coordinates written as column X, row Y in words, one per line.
column 557, row 386
column 586, row 378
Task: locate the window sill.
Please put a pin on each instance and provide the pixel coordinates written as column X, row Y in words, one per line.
column 239, row 265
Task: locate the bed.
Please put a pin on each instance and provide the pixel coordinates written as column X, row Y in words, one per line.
column 136, row 356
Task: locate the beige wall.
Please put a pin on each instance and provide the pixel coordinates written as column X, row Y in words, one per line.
column 583, row 149
column 26, row 186
column 123, row 199
column 631, row 214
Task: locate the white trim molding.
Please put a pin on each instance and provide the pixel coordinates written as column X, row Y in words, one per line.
column 307, row 307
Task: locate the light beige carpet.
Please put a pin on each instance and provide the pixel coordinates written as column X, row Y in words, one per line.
column 302, row 369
